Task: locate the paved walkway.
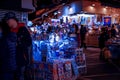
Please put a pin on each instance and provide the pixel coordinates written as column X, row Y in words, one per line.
column 99, row 70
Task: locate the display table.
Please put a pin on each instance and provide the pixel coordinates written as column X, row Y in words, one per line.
column 56, row 70
column 58, row 60
column 114, row 46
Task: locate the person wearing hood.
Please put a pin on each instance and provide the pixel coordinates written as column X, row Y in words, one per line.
column 24, row 44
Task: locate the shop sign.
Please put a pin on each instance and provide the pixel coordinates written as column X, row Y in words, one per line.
column 107, row 21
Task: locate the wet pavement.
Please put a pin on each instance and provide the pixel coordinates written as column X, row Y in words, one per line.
column 97, row 69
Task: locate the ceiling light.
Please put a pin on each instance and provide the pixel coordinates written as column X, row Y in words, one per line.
column 93, row 5
column 59, row 12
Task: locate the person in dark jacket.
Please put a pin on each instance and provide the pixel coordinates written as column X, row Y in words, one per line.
column 102, row 40
column 83, row 32
column 113, row 31
column 24, row 44
column 7, row 53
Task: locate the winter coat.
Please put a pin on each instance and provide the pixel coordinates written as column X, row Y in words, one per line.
column 113, row 33
column 102, row 39
column 8, row 53
column 83, row 32
column 24, row 42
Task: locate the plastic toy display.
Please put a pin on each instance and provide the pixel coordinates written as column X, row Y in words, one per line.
column 56, row 56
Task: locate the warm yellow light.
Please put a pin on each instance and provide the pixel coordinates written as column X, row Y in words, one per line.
column 91, row 7
column 105, row 9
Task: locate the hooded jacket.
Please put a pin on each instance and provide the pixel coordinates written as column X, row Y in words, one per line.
column 24, row 41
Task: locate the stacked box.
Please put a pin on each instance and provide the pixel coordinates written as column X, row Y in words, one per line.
column 36, row 71
column 82, row 70
column 52, row 72
column 80, row 61
column 45, row 71
column 61, row 74
column 58, row 70
column 69, row 52
column 68, row 70
column 74, row 68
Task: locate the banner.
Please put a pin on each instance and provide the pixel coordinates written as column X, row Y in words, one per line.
column 107, row 21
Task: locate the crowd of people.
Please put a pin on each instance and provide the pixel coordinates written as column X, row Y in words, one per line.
column 106, row 34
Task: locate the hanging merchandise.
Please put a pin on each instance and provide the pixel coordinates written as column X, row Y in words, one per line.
column 68, row 69
column 36, row 52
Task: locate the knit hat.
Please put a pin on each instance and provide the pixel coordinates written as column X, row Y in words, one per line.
column 10, row 15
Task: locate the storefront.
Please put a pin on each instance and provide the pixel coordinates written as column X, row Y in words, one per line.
column 93, row 15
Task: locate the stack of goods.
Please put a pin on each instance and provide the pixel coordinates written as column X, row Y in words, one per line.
column 45, row 71
column 81, row 61
column 56, row 70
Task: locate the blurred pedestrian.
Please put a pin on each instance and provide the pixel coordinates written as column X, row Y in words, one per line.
column 8, row 41
column 113, row 31
column 77, row 34
column 102, row 38
column 24, row 44
column 102, row 41
column 107, row 33
column 83, row 31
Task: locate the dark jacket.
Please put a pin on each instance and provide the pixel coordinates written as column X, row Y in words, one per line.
column 24, row 42
column 83, row 32
column 8, row 53
column 113, row 33
column 102, row 39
